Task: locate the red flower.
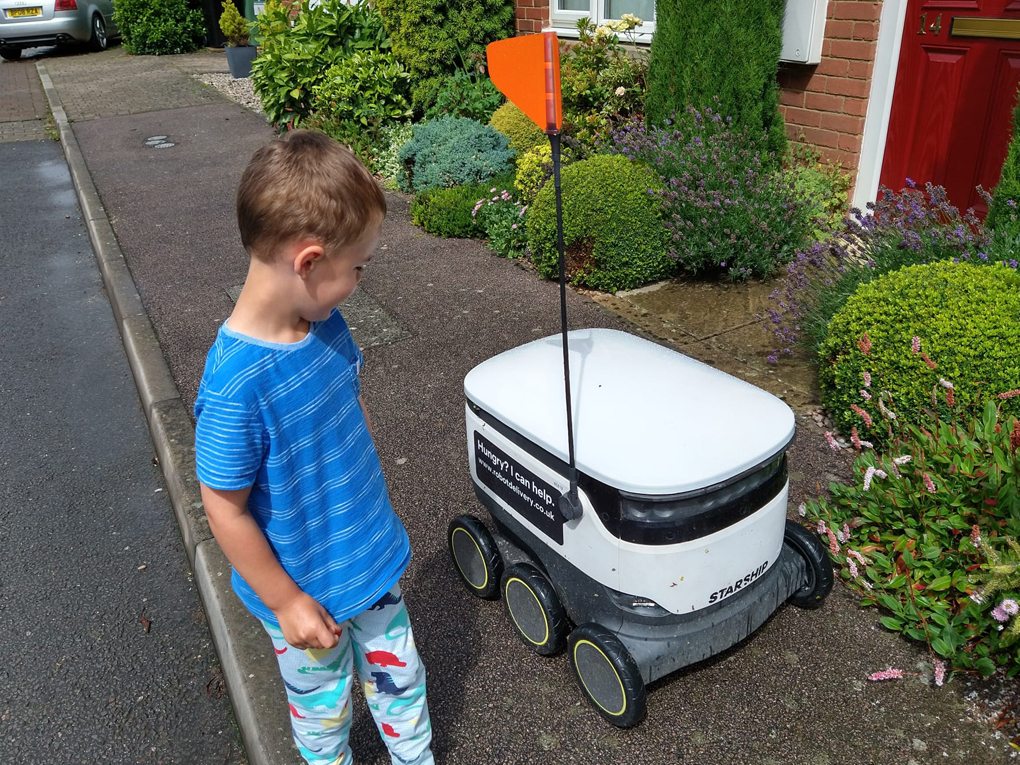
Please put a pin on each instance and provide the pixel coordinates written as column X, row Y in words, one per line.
column 864, row 344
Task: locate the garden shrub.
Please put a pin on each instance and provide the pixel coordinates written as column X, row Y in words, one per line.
column 234, row 26
column 294, row 59
column 522, row 133
column 430, row 36
column 725, row 49
column 447, row 212
column 723, row 206
column 905, row 228
column 158, row 27
column 534, row 168
column 504, row 221
column 612, row 233
column 824, row 188
column 358, row 96
column 465, row 93
column 1007, row 193
column 452, row 151
column 602, row 84
column 391, row 140
column 968, row 317
column 928, row 529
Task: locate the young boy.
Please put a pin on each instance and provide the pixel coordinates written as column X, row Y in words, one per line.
column 291, row 481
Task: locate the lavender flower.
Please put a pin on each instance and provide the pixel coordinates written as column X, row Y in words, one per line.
column 1000, row 615
column 1010, row 606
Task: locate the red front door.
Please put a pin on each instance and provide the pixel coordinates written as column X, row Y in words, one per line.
column 955, row 89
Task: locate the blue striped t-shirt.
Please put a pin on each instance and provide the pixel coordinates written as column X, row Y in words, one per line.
column 284, row 419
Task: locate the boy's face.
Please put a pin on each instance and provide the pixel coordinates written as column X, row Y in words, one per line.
column 331, row 278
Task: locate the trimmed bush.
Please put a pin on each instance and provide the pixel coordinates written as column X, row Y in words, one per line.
column 727, row 49
column 612, row 234
column 524, row 135
column 447, row 211
column 1007, row 192
column 452, row 151
column 534, row 168
column 430, row 36
column 967, row 319
column 158, row 27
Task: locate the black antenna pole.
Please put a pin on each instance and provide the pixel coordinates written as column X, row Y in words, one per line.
column 570, row 503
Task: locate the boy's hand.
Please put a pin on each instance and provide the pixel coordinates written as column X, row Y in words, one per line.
column 306, row 624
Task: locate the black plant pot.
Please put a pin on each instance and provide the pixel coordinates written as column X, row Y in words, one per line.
column 239, row 60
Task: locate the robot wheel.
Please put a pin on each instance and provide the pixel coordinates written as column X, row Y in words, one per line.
column 534, row 610
column 818, row 566
column 476, row 556
column 607, row 675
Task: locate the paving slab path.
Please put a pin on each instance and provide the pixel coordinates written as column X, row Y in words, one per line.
column 795, row 693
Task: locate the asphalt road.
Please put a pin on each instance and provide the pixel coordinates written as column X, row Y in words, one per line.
column 106, row 653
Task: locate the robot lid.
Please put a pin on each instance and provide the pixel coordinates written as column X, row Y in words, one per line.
column 647, row 420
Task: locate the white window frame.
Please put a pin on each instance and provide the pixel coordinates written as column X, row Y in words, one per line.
column 564, row 23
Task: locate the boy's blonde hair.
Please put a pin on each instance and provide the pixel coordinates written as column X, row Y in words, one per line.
column 305, row 185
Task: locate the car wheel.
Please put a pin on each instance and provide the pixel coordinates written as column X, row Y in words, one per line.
column 534, row 609
column 98, row 41
column 11, row 54
column 818, row 566
column 476, row 556
column 607, row 674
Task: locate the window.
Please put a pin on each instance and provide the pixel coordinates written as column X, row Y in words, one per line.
column 565, row 14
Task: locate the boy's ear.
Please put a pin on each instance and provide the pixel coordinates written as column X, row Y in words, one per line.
column 307, row 258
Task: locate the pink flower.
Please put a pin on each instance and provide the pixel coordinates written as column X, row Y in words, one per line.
column 865, row 584
column 846, row 530
column 802, row 509
column 833, row 544
column 832, row 442
column 881, row 473
column 931, row 364
column 1010, row 393
column 865, row 395
column 950, row 398
column 929, row 485
column 868, row 475
column 903, row 460
column 999, row 614
column 514, row 226
column 864, row 344
column 867, row 379
column 886, row 412
column 840, row 538
column 975, row 535
column 821, row 527
column 887, row 674
column 940, row 672
column 862, row 414
column 852, row 567
column 915, row 344
column 945, row 383
column 858, row 557
column 854, row 438
column 1010, row 606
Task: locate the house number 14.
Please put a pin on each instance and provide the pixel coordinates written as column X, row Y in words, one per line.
column 935, row 27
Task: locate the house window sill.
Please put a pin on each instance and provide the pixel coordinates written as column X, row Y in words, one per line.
column 642, row 39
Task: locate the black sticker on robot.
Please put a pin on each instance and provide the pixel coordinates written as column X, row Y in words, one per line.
column 535, row 499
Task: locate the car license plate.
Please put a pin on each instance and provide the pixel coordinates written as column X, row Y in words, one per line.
column 14, row 13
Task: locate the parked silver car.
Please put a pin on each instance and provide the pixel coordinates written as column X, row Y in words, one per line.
column 30, row 23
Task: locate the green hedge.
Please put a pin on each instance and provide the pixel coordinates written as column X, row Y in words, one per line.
column 612, row 234
column 431, row 36
column 447, row 212
column 523, row 134
column 158, row 27
column 723, row 49
column 968, row 320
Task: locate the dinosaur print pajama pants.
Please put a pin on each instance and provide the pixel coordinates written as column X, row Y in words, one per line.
column 379, row 643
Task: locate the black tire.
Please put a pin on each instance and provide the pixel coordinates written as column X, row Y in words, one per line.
column 10, row 54
column 607, row 675
column 818, row 566
column 475, row 556
column 98, row 41
column 534, row 610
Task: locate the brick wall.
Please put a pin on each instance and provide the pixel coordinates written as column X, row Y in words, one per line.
column 532, row 15
column 824, row 105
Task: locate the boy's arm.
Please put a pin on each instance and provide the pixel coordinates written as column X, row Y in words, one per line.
column 364, row 410
column 305, row 623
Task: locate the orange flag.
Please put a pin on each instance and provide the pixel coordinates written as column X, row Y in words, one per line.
column 527, row 71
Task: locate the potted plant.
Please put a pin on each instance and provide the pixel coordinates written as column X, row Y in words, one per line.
column 237, row 31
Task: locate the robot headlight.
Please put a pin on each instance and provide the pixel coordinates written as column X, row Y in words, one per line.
column 677, row 519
